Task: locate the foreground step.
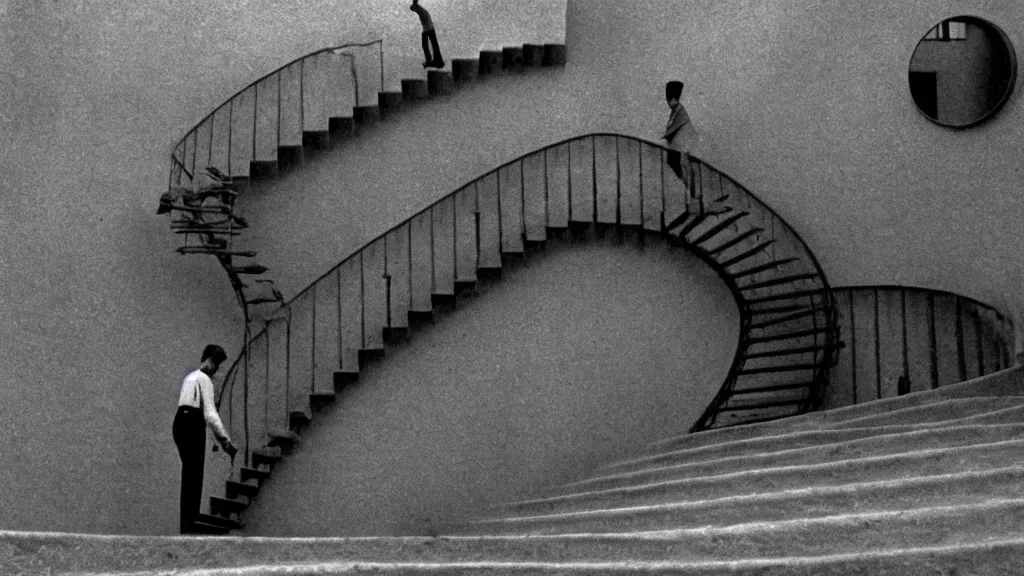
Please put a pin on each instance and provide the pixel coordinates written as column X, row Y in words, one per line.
column 938, row 412
column 812, row 448
column 999, row 558
column 750, row 544
column 904, row 494
column 1004, row 383
column 928, row 407
column 661, row 486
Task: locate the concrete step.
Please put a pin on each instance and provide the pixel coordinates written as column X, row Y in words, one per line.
column 668, row 485
column 956, row 408
column 814, row 447
column 849, row 534
column 962, row 488
column 999, row 558
column 1005, row 383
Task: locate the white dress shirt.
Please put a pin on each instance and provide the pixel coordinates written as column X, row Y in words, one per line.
column 197, row 392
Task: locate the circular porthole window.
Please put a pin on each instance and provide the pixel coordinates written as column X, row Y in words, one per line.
column 962, row 72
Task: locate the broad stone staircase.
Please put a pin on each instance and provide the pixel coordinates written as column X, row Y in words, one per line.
column 927, row 483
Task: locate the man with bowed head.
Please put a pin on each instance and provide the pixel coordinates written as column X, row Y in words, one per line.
column 196, row 411
column 429, row 37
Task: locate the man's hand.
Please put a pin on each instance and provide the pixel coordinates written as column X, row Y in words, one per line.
column 230, row 449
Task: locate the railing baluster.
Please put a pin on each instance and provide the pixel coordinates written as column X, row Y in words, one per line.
column 618, row 188
column 266, row 378
column 255, row 110
column 245, row 395
column 195, row 142
column 341, row 324
column 312, row 337
column 277, row 150
column 287, row 368
column 231, row 122
column 362, row 302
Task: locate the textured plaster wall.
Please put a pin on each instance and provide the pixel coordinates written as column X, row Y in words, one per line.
column 101, row 317
column 807, row 104
column 584, row 355
column 804, row 102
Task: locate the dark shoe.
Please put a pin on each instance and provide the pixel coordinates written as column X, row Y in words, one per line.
column 437, row 63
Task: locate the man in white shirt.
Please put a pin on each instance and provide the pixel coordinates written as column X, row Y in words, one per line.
column 196, row 410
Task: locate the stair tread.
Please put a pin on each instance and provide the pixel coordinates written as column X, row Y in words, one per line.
column 660, row 486
column 780, row 280
column 760, row 405
column 892, row 495
column 771, row 388
column 719, row 227
column 788, row 295
column 734, row 241
column 762, row 267
column 780, row 368
column 809, row 446
column 219, row 521
column 786, row 335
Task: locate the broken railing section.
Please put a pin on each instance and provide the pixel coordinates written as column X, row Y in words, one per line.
column 209, row 224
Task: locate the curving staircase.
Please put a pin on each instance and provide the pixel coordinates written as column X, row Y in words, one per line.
column 288, row 117
column 595, row 184
column 788, row 341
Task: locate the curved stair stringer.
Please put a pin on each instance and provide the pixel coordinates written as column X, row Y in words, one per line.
column 287, row 116
column 789, row 339
column 318, row 342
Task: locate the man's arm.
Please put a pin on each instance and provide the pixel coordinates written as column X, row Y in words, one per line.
column 210, row 413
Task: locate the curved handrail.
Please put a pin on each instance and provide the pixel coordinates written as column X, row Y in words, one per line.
column 992, row 335
column 277, row 70
column 289, row 302
column 286, row 352
column 976, row 302
column 333, row 269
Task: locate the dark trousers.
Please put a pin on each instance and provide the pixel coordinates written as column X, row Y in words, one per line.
column 430, row 39
column 190, row 438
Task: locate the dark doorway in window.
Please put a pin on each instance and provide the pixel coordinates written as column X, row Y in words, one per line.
column 962, row 71
column 924, row 89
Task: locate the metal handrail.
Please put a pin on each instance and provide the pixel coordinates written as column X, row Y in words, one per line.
column 1000, row 313
column 379, row 41
column 288, row 303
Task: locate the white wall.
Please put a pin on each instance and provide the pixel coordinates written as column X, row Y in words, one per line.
column 584, row 355
column 805, row 102
column 102, row 317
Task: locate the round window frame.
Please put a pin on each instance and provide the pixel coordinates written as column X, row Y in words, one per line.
column 977, row 20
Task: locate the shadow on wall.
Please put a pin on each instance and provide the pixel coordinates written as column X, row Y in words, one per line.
column 582, row 356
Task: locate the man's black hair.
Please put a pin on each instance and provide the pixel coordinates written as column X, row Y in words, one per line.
column 673, row 89
column 215, row 353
